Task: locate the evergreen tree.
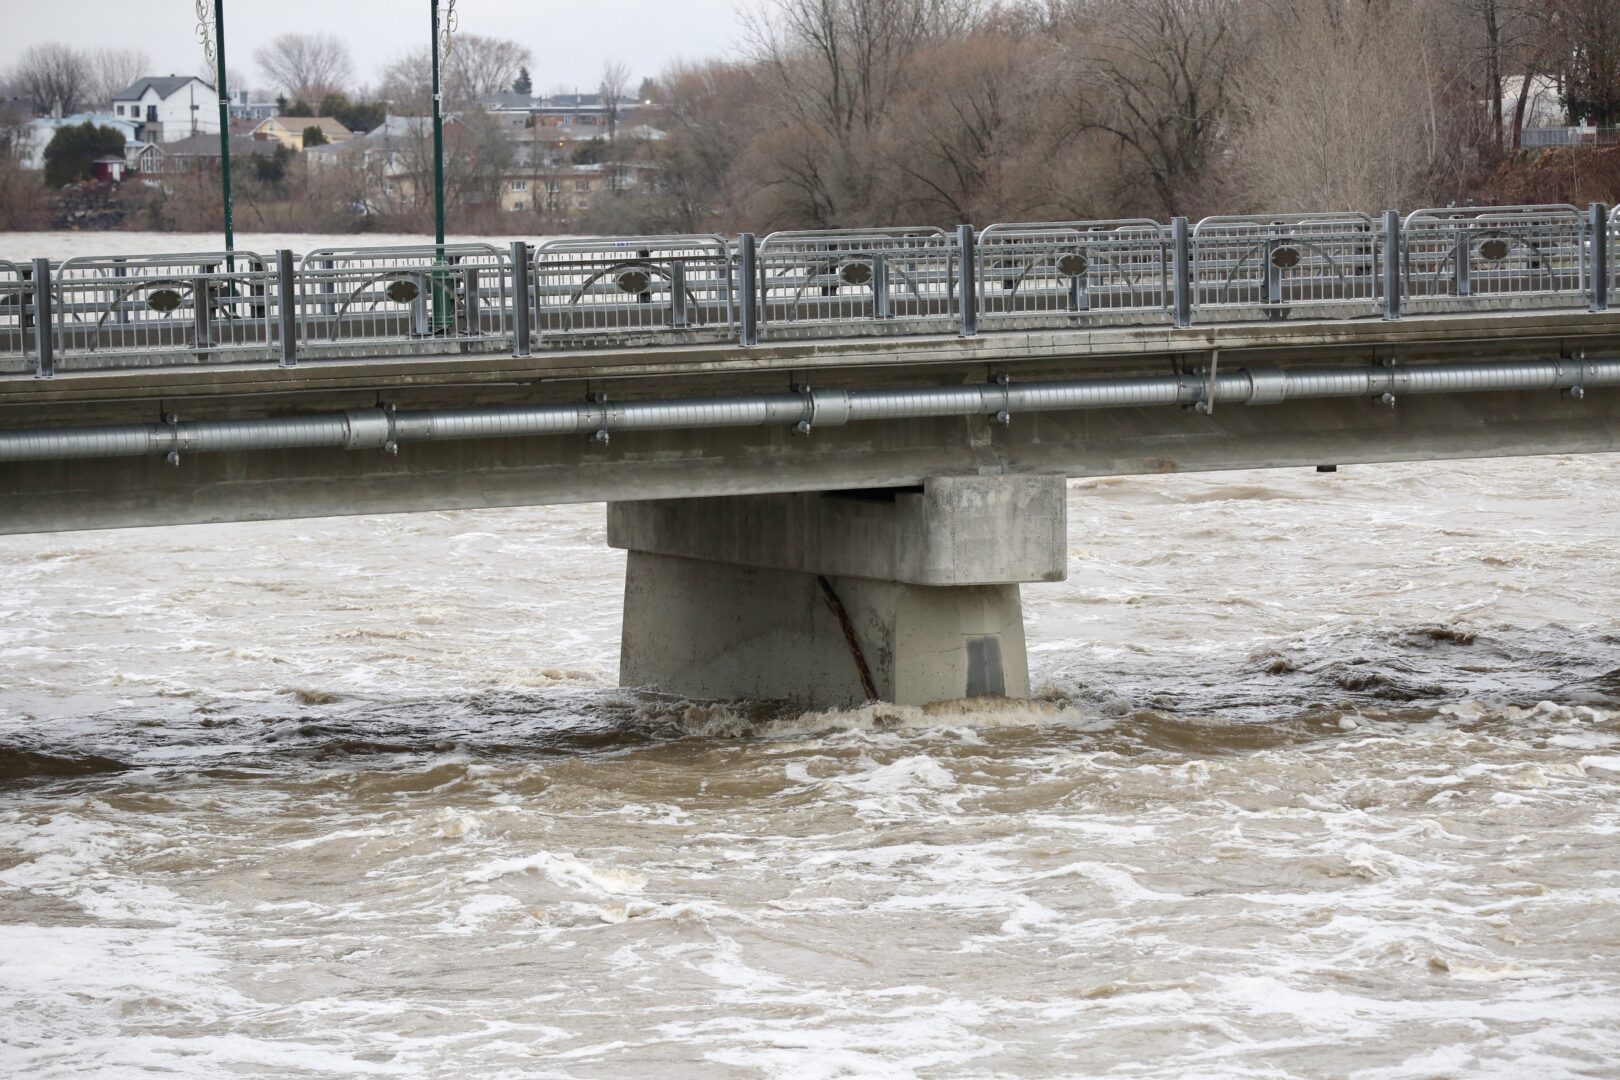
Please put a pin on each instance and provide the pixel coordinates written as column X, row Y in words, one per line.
column 73, row 150
column 314, row 136
column 523, row 84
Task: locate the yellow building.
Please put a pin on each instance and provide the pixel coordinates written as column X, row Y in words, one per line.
column 289, row 130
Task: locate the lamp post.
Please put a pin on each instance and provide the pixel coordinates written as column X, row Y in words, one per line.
column 211, row 33
column 442, row 31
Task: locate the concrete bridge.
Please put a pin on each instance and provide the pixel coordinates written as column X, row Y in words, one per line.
column 833, row 457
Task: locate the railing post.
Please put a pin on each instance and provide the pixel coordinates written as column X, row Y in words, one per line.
column 1181, row 270
column 1392, row 265
column 472, row 319
column 45, row 358
column 1271, row 284
column 1462, row 258
column 967, row 281
column 1600, row 256
column 880, row 286
column 520, row 298
column 748, row 285
column 120, row 271
column 677, row 294
column 201, row 315
column 287, row 308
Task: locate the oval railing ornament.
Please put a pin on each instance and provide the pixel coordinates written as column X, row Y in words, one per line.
column 634, row 281
column 1494, row 250
column 855, row 273
column 1073, row 264
column 1285, row 258
column 163, row 300
column 402, row 292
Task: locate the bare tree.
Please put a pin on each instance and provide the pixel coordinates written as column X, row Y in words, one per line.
column 954, row 147
column 834, row 67
column 1154, row 76
column 479, row 67
column 114, row 69
column 305, row 67
column 1345, row 110
column 712, row 115
column 407, row 83
column 476, row 69
column 615, row 81
column 58, row 78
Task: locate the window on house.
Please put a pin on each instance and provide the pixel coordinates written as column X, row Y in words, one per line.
column 151, row 114
column 520, row 185
column 119, row 109
column 582, row 185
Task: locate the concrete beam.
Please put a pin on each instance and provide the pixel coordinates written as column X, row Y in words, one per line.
column 125, row 492
column 952, row 530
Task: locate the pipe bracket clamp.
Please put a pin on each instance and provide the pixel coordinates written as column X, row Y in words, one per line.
column 367, row 429
column 1267, row 386
column 828, row 408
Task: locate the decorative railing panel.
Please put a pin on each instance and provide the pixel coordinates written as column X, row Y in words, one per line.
column 1512, row 256
column 610, row 290
column 16, row 303
column 1073, row 273
column 415, row 299
column 197, row 307
column 1273, row 266
column 861, row 281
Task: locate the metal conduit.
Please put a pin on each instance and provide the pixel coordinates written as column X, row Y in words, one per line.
column 386, row 428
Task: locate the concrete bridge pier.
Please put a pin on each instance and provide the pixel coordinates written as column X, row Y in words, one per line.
column 826, row 599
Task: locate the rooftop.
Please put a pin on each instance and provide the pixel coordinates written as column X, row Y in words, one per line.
column 163, row 84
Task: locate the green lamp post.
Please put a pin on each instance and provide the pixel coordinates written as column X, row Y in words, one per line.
column 211, row 34
column 442, row 32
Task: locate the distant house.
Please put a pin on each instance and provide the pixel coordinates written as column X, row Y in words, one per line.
column 256, row 111
column 289, row 130
column 142, row 157
column 39, row 133
column 109, row 168
column 201, row 152
column 1543, row 102
column 395, row 158
column 168, row 107
column 565, row 112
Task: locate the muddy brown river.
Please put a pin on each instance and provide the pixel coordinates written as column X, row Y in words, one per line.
column 1323, row 780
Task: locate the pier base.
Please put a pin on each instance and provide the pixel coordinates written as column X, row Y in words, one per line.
column 833, row 599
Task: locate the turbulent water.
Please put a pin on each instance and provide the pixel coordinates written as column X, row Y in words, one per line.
column 1323, row 781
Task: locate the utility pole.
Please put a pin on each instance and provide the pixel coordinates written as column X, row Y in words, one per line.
column 211, row 33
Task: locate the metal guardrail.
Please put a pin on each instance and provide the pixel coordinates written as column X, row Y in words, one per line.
column 353, row 301
column 16, row 303
column 673, row 290
column 1540, row 138
column 1045, row 274
column 861, row 281
column 198, row 306
column 1268, row 267
column 609, row 291
column 1521, row 256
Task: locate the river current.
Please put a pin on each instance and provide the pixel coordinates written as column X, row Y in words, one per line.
column 1322, row 780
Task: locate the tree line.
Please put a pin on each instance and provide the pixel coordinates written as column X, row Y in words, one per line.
column 853, row 113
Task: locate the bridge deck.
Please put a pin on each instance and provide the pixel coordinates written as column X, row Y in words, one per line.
column 655, row 371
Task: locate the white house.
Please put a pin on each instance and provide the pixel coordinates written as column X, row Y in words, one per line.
column 169, row 107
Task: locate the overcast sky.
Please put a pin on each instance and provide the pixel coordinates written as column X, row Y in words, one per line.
column 570, row 38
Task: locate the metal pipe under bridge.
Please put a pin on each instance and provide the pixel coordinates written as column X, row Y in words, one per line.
column 833, row 457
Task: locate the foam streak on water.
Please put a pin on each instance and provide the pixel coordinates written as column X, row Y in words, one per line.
column 1324, row 780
